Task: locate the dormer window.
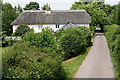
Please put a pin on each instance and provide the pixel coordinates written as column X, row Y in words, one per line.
column 57, row 26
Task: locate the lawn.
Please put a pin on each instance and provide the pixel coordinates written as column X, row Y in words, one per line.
column 72, row 65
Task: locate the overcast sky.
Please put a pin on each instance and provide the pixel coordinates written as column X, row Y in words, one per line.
column 55, row 4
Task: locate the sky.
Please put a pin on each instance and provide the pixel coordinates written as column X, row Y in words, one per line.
column 55, row 4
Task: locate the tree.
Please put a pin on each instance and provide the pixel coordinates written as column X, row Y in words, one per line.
column 18, row 9
column 119, row 13
column 115, row 15
column 44, row 7
column 32, row 5
column 96, row 11
column 0, row 16
column 8, row 15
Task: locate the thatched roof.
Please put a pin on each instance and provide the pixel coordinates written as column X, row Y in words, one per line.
column 53, row 17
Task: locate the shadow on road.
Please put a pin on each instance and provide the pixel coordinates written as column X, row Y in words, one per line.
column 99, row 34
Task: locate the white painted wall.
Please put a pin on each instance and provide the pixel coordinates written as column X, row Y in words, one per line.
column 15, row 27
column 53, row 26
column 36, row 29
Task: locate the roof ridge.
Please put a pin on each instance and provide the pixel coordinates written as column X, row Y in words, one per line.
column 82, row 10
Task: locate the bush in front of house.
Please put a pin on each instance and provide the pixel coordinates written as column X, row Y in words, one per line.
column 44, row 39
column 68, row 42
column 22, row 29
column 112, row 34
column 28, row 62
column 75, row 40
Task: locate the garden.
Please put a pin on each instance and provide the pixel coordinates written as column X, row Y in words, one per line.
column 43, row 55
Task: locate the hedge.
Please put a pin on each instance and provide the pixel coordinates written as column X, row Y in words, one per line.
column 112, row 33
column 75, row 40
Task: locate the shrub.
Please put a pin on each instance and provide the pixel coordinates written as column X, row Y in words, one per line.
column 75, row 40
column 92, row 28
column 43, row 39
column 58, row 34
column 22, row 29
column 24, row 61
column 112, row 33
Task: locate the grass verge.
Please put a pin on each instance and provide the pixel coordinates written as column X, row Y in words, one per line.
column 71, row 66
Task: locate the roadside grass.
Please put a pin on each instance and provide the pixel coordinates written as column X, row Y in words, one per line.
column 71, row 66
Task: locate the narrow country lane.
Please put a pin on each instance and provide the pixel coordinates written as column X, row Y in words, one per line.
column 98, row 63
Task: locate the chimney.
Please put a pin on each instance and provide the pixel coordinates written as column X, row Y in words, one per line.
column 46, row 5
column 48, row 9
column 49, row 6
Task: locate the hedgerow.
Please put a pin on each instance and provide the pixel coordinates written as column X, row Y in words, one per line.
column 75, row 40
column 112, row 33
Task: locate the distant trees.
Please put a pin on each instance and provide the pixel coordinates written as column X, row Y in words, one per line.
column 115, row 15
column 119, row 13
column 44, row 7
column 32, row 5
column 8, row 15
column 0, row 17
column 18, row 9
column 100, row 13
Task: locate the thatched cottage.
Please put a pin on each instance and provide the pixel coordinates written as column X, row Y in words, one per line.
column 56, row 19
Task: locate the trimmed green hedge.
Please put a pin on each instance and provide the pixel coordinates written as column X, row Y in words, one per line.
column 112, row 33
column 75, row 40
column 69, row 42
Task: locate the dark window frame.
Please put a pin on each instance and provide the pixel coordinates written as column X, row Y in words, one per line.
column 57, row 26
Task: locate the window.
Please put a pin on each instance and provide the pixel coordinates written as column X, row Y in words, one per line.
column 40, row 26
column 57, row 26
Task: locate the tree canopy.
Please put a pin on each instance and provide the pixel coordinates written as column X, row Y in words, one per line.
column 44, row 7
column 101, row 14
column 32, row 5
column 8, row 15
column 18, row 9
